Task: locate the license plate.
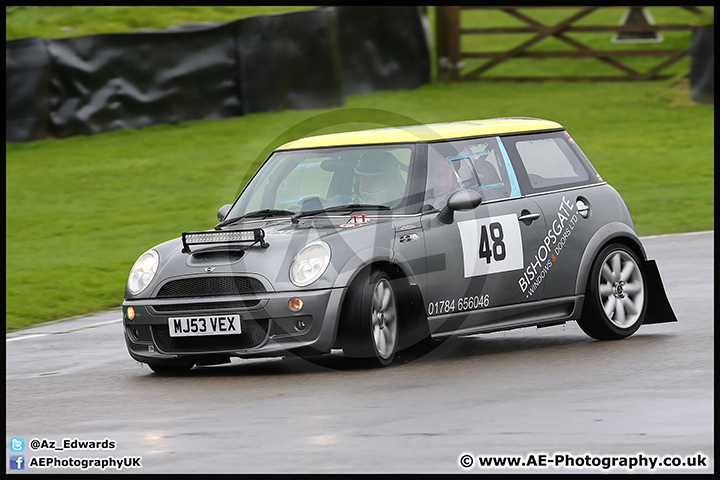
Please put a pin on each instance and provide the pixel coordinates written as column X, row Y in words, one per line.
column 204, row 325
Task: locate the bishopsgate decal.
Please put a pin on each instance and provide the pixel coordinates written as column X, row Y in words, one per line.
column 553, row 243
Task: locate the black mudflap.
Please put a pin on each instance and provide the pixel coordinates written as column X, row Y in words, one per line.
column 659, row 308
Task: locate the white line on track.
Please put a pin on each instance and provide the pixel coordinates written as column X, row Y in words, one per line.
column 678, row 234
column 68, row 330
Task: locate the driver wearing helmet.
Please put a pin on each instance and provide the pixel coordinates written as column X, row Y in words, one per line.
column 378, row 179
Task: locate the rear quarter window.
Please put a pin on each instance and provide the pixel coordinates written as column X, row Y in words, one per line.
column 549, row 161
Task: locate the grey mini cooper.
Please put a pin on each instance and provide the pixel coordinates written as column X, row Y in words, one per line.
column 379, row 241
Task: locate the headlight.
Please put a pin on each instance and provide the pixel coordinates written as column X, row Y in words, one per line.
column 310, row 263
column 143, row 272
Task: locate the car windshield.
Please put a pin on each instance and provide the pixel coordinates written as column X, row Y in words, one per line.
column 303, row 181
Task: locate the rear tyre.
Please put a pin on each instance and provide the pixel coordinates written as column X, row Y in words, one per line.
column 371, row 320
column 616, row 295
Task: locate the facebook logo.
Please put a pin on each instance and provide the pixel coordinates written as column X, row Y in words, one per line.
column 17, row 444
column 17, row 462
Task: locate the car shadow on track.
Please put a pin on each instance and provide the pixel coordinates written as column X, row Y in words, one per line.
column 451, row 349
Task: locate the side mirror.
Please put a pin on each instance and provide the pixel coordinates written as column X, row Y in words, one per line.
column 222, row 213
column 460, row 200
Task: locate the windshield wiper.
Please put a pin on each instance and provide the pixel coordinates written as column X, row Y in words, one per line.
column 340, row 208
column 267, row 212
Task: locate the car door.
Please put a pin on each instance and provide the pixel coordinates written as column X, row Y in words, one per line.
column 555, row 173
column 488, row 256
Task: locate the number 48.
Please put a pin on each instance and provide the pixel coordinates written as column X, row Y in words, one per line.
column 497, row 252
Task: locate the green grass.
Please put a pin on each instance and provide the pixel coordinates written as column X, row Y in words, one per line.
column 79, row 211
column 58, row 22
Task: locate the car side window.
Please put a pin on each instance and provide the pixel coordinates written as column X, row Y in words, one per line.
column 476, row 164
column 548, row 160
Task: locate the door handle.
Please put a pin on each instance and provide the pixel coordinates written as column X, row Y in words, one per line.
column 582, row 208
column 529, row 217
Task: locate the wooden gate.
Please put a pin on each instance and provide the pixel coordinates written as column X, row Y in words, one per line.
column 450, row 56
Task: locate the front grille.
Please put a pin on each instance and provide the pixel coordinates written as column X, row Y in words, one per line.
column 210, row 286
column 187, row 307
column 253, row 334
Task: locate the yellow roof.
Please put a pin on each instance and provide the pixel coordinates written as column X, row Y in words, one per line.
column 424, row 133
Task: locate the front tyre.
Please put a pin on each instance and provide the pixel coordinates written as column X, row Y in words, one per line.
column 371, row 320
column 615, row 299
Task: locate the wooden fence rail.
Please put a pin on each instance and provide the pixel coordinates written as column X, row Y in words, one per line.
column 449, row 34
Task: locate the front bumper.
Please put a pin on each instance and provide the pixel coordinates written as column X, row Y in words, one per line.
column 268, row 326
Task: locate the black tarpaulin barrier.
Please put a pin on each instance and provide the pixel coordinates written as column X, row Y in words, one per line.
column 383, row 48
column 289, row 60
column 702, row 64
column 294, row 60
column 111, row 81
column 27, row 75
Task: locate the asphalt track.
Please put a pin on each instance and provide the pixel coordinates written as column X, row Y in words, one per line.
column 524, row 393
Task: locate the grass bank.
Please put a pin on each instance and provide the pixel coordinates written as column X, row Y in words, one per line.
column 72, row 21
